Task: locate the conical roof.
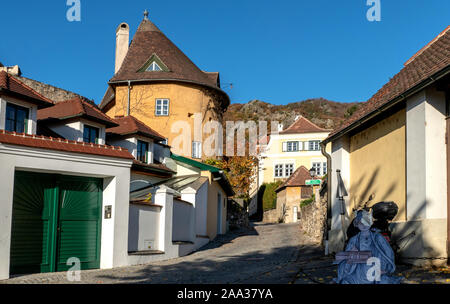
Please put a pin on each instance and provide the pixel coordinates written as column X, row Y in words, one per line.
column 149, row 42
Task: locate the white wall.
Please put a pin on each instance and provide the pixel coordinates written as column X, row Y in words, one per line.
column 130, row 144
column 340, row 158
column 183, row 221
column 426, row 158
column 114, row 171
column 143, row 231
column 199, row 199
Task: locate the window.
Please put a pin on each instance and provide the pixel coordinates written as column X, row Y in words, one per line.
column 314, row 145
column 324, row 168
column 196, row 149
column 292, row 146
column 283, row 170
column 278, row 171
column 16, row 118
column 153, row 67
column 142, row 151
column 90, row 134
column 317, row 167
column 165, row 141
column 162, row 107
column 288, row 170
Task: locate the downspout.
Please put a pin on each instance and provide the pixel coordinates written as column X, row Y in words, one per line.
column 329, row 215
column 128, row 103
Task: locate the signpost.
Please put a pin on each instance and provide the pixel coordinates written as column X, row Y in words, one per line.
column 313, row 182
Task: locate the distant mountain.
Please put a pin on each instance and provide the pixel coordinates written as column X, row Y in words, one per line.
column 325, row 113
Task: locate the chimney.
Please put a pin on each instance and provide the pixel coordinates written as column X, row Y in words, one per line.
column 122, row 42
column 280, row 127
column 13, row 70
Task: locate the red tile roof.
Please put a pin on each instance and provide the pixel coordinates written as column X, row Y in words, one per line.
column 128, row 125
column 9, row 84
column 303, row 125
column 149, row 41
column 430, row 60
column 75, row 108
column 297, row 179
column 64, row 145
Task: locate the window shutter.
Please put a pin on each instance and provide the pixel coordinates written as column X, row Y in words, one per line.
column 306, row 145
column 193, row 149
column 300, row 145
column 284, row 146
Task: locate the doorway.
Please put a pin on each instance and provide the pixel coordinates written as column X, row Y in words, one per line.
column 54, row 218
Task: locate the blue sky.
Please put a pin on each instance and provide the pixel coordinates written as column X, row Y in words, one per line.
column 275, row 51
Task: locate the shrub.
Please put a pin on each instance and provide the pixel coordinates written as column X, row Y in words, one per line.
column 269, row 196
column 308, row 201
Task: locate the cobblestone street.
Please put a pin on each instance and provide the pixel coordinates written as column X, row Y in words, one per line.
column 278, row 254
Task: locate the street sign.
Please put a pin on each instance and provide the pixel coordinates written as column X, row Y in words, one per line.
column 313, row 182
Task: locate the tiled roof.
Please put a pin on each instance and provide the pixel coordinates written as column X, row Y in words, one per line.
column 12, row 85
column 128, row 125
column 75, row 108
column 149, row 41
column 430, row 60
column 64, row 145
column 303, row 125
column 297, row 179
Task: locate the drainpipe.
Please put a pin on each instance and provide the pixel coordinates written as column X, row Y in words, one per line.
column 329, row 215
column 128, row 103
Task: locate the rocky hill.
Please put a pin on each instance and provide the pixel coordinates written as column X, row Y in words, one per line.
column 325, row 113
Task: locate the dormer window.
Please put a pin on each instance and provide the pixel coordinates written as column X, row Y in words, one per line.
column 154, row 64
column 90, row 134
column 16, row 118
column 154, row 67
column 142, row 151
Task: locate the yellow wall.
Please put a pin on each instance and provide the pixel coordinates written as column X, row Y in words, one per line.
column 185, row 100
column 276, row 155
column 213, row 190
column 377, row 163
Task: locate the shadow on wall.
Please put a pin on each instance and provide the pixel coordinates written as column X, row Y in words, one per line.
column 408, row 235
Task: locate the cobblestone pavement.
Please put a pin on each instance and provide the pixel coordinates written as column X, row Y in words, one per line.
column 278, row 254
column 261, row 254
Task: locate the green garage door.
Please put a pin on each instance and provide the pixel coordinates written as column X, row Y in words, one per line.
column 55, row 217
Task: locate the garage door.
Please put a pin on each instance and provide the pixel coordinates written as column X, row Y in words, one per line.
column 55, row 218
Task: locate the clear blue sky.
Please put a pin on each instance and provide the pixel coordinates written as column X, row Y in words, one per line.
column 275, row 51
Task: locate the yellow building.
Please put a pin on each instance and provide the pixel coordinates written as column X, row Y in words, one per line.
column 289, row 149
column 158, row 84
column 395, row 148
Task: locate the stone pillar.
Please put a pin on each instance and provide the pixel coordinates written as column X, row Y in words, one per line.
column 164, row 197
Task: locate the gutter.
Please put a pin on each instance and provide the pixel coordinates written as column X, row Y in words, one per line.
column 329, row 215
column 417, row 88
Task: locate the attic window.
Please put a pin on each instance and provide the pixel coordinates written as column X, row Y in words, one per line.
column 154, row 67
column 154, row 64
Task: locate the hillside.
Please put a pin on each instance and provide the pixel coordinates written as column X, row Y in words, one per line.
column 325, row 113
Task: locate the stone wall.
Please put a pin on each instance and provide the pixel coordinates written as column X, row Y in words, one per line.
column 313, row 218
column 271, row 216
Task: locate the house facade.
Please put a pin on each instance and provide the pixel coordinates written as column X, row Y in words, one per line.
column 61, row 197
column 289, row 149
column 395, row 148
column 291, row 193
column 158, row 84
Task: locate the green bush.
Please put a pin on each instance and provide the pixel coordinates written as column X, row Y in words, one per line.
column 269, row 196
column 308, row 201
